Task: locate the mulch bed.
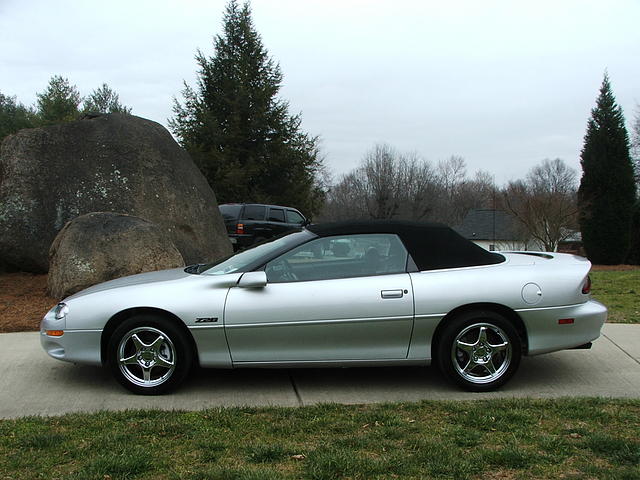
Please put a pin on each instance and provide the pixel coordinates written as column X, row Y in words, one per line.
column 23, row 301
column 617, row 268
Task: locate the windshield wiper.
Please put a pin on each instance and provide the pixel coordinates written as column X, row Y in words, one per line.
column 195, row 268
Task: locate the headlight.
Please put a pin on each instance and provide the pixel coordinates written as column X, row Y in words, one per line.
column 61, row 311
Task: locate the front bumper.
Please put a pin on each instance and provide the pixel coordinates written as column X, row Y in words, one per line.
column 78, row 346
column 545, row 334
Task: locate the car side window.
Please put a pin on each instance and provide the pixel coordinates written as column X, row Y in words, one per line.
column 254, row 212
column 276, row 215
column 294, row 217
column 340, row 257
column 230, row 212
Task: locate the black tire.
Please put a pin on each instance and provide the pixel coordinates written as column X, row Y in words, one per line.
column 159, row 348
column 479, row 363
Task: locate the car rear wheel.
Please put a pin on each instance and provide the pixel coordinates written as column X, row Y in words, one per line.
column 479, row 351
column 149, row 355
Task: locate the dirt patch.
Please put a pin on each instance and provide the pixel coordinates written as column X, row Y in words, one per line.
column 617, row 268
column 23, row 301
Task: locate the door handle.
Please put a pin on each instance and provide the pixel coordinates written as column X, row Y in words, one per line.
column 391, row 293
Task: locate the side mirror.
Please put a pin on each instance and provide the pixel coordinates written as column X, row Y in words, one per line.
column 253, row 280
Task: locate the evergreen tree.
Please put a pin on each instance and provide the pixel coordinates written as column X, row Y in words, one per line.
column 239, row 132
column 104, row 100
column 634, row 254
column 635, row 144
column 13, row 116
column 634, row 251
column 59, row 102
column 607, row 190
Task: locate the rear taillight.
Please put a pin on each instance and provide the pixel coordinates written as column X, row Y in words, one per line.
column 586, row 288
column 240, row 229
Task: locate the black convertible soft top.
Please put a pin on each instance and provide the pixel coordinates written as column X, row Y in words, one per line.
column 431, row 245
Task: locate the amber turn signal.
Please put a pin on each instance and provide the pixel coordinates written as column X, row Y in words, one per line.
column 54, row 333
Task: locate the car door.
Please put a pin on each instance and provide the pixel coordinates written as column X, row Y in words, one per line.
column 331, row 299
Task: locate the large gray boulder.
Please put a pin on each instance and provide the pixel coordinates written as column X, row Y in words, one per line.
column 112, row 163
column 101, row 246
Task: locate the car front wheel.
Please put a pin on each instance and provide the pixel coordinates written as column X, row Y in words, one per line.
column 149, row 355
column 479, row 351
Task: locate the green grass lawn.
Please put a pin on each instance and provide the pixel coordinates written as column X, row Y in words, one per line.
column 501, row 439
column 620, row 292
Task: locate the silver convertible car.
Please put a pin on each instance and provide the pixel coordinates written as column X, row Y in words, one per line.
column 356, row 294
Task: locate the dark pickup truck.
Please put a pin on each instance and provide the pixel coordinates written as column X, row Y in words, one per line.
column 249, row 223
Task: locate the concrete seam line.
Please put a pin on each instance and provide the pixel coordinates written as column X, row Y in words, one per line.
column 623, row 350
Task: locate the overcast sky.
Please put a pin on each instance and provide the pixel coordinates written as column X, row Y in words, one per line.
column 504, row 84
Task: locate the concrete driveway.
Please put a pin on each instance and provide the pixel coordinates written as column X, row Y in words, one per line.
column 31, row 383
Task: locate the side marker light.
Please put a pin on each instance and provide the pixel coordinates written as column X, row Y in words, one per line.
column 566, row 321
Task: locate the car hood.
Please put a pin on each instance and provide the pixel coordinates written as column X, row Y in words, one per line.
column 141, row 278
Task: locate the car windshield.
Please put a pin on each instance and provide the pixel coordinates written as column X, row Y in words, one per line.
column 254, row 256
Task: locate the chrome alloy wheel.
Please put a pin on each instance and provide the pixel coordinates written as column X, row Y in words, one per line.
column 481, row 353
column 146, row 356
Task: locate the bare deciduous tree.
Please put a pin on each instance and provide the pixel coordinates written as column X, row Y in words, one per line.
column 469, row 194
column 452, row 173
column 381, row 180
column 387, row 185
column 420, row 187
column 545, row 202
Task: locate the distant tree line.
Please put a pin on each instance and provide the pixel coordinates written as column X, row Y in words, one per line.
column 393, row 185
column 59, row 102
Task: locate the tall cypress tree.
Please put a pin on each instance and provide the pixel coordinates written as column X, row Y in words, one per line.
column 238, row 131
column 634, row 251
column 607, row 190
